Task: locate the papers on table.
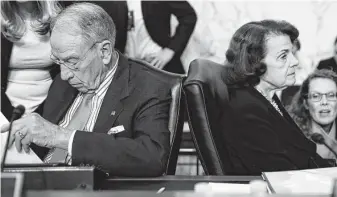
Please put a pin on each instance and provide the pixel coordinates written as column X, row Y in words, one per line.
column 254, row 187
column 13, row 156
column 231, row 188
column 312, row 181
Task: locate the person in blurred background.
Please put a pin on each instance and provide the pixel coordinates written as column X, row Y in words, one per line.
column 314, row 108
column 149, row 36
column 259, row 135
column 330, row 63
column 26, row 67
column 303, row 69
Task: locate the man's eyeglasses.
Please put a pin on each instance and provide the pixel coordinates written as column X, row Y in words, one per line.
column 317, row 97
column 71, row 65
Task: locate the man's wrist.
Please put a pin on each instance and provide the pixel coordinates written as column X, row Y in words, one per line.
column 62, row 138
column 70, row 144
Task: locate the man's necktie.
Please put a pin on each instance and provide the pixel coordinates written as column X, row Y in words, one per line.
column 77, row 122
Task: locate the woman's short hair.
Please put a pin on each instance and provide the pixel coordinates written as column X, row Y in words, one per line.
column 297, row 109
column 12, row 22
column 247, row 49
column 297, row 44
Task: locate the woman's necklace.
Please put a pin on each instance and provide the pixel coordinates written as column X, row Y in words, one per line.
column 273, row 103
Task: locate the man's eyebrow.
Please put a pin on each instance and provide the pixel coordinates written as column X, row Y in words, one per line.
column 66, row 58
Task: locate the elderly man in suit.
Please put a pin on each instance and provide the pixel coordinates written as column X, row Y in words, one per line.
column 103, row 110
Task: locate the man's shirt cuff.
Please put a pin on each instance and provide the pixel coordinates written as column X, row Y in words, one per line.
column 70, row 144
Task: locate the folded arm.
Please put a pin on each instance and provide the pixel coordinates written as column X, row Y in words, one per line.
column 187, row 19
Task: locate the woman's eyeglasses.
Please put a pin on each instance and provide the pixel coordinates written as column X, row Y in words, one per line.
column 317, row 97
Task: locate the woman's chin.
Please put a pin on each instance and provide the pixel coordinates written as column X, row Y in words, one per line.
column 291, row 81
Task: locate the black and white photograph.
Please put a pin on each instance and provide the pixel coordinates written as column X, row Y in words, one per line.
column 175, row 98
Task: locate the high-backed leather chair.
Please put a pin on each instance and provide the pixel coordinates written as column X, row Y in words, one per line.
column 206, row 96
column 177, row 109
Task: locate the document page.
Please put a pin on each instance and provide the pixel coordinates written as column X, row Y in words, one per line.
column 229, row 188
column 13, row 156
column 311, row 181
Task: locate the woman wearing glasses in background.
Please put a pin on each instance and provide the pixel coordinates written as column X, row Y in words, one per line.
column 26, row 67
column 314, row 108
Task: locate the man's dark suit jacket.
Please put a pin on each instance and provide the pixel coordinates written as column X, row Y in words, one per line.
column 157, row 19
column 328, row 64
column 137, row 99
column 259, row 139
column 6, row 51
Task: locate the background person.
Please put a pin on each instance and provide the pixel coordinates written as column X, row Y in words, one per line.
column 26, row 67
column 151, row 39
column 314, row 108
column 330, row 63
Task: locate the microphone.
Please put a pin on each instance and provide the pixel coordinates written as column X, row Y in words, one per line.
column 17, row 113
column 319, row 139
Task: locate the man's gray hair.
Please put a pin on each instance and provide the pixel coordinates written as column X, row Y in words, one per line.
column 89, row 19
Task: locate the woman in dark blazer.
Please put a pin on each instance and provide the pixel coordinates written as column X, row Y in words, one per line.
column 259, row 135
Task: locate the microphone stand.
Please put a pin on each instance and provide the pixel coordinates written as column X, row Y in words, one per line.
column 319, row 139
column 330, row 148
column 17, row 113
column 6, row 144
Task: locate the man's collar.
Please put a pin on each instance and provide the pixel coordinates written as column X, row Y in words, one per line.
column 122, row 75
column 103, row 86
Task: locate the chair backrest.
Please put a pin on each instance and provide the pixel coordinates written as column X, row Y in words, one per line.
column 206, row 97
column 177, row 109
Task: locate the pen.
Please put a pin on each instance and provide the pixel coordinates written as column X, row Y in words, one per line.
column 161, row 190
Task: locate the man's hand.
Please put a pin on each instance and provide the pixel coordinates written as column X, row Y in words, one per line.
column 161, row 58
column 34, row 129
